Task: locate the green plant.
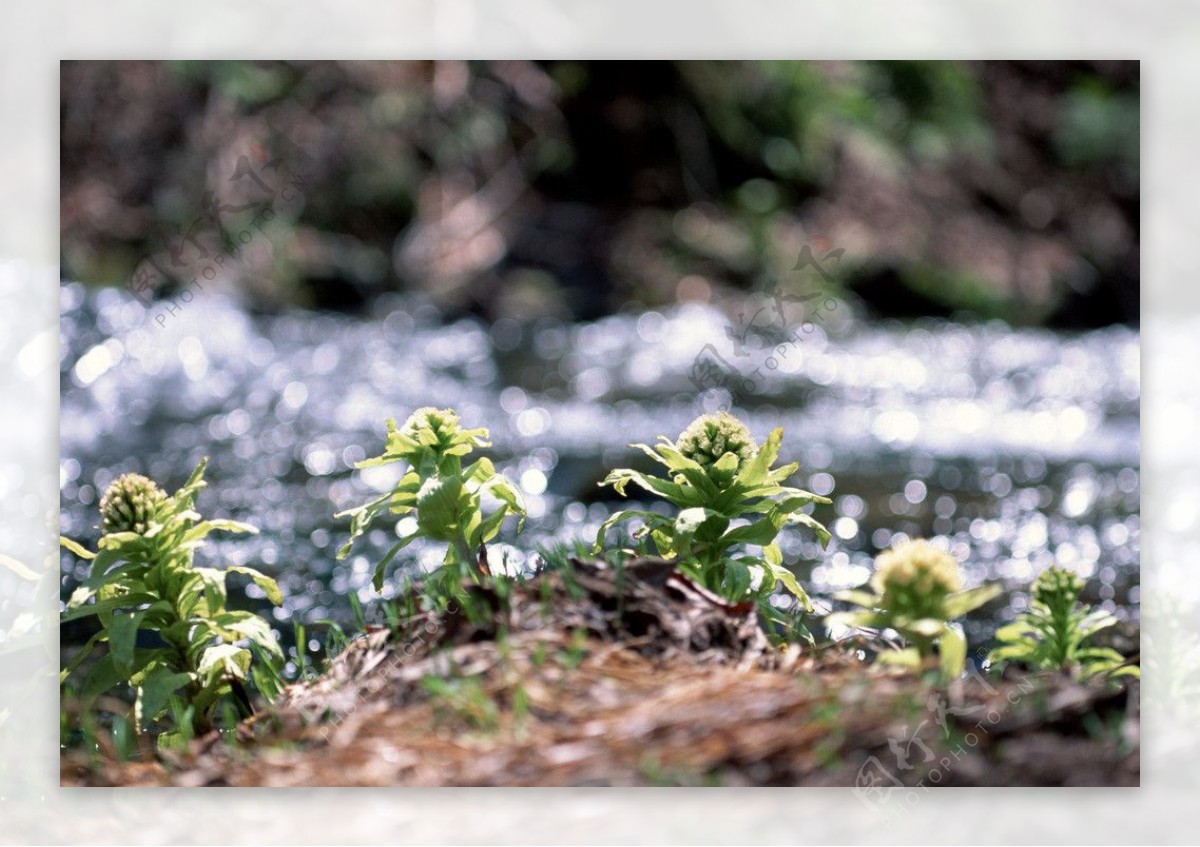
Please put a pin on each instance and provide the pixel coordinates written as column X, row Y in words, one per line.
column 445, row 496
column 918, row 593
column 1053, row 634
column 143, row 580
column 464, row 697
column 719, row 475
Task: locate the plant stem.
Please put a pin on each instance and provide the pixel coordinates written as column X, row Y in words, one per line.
column 463, row 549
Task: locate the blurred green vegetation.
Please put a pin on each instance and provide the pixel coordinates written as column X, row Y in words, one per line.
column 574, row 189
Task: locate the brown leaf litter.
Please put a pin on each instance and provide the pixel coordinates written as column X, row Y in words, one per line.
column 638, row 676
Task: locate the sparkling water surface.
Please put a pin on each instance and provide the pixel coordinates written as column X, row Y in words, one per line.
column 1017, row 448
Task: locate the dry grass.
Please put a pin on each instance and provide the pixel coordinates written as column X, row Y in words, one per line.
column 656, row 683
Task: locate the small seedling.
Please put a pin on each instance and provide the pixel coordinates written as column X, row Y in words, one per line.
column 463, row 697
column 917, row 593
column 719, row 475
column 143, row 580
column 446, row 498
column 1053, row 634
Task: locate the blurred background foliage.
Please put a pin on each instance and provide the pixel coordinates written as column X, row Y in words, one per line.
column 577, row 189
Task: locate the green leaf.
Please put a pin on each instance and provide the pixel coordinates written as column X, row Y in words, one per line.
column 115, row 540
column 502, row 488
column 1125, row 670
column 360, row 520
column 783, row 472
column 486, row 529
column 397, row 442
column 224, row 660
column 103, row 676
column 1016, row 631
column 952, row 650
column 377, row 461
column 481, row 471
column 1104, row 654
column 202, row 529
column 652, row 519
column 668, row 455
column 438, row 505
column 76, row 548
column 674, row 492
column 84, row 652
column 909, row 657
column 194, row 482
column 924, row 627
column 1010, row 653
column 1095, row 621
column 122, row 638
column 80, row 596
column 761, row 532
column 854, row 620
column 250, row 625
column 801, row 496
column 726, row 465
column 125, row 601
column 812, row 523
column 203, row 584
column 269, row 586
column 736, row 581
column 859, row 598
column 791, row 584
column 755, row 471
column 690, row 520
column 154, row 692
column 377, row 577
column 959, row 603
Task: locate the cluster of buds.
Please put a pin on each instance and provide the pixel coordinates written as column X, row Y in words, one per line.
column 710, row 437
column 431, row 427
column 1057, row 587
column 915, row 577
column 435, row 434
column 133, row 503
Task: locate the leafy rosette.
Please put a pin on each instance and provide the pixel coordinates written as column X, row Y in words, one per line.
column 729, row 496
column 1055, row 633
column 143, row 578
column 445, row 497
column 917, row 593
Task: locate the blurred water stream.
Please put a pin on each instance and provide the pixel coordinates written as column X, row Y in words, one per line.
column 1018, row 446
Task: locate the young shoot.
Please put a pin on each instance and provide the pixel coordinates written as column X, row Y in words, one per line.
column 196, row 655
column 728, row 497
column 1054, row 633
column 917, row 591
column 446, row 498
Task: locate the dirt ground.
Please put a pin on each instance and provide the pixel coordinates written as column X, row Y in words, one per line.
column 643, row 678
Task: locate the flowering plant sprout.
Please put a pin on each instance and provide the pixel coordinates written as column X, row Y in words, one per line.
column 719, row 475
column 446, row 497
column 1053, row 634
column 143, row 580
column 918, row 593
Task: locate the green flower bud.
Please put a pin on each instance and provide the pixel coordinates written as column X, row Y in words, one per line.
column 427, row 423
column 710, row 437
column 1057, row 586
column 131, row 504
column 914, row 577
